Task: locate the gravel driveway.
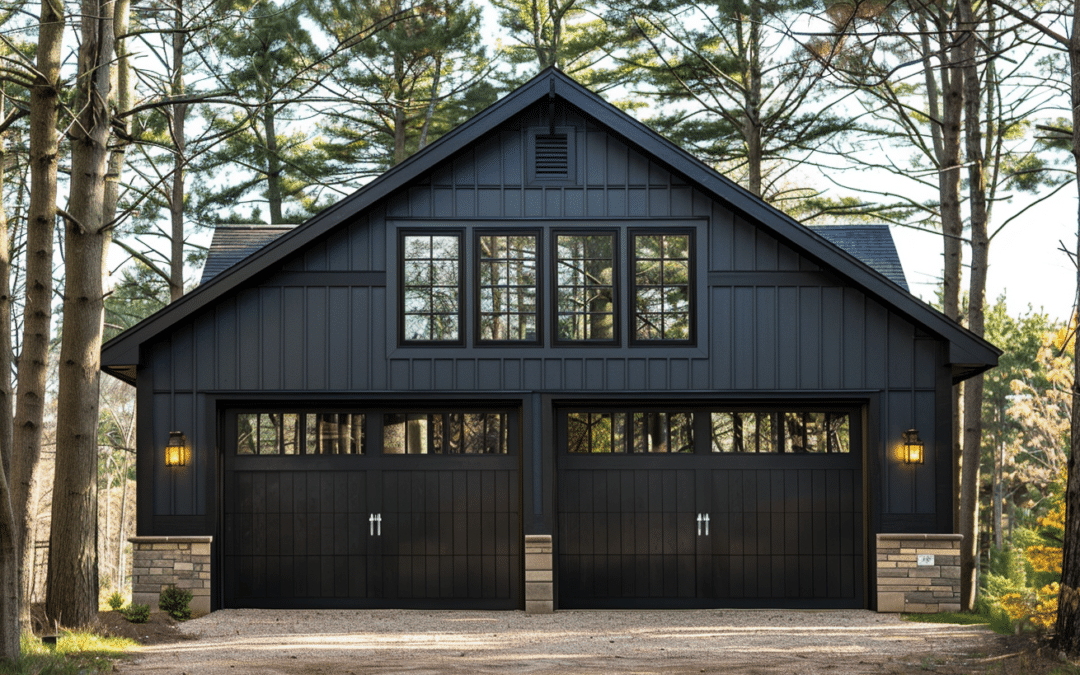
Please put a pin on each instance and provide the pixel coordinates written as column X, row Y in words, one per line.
column 711, row 641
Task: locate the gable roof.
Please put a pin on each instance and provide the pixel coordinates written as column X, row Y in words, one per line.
column 968, row 354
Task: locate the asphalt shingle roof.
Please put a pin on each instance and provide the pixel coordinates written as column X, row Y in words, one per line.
column 872, row 244
column 233, row 243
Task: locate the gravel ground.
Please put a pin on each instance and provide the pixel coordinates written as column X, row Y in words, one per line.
column 714, row 641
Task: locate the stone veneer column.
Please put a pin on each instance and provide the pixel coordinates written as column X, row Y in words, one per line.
column 160, row 562
column 918, row 573
column 539, row 586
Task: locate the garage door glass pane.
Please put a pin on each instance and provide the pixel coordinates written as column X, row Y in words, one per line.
column 789, row 432
column 247, row 435
column 447, row 433
column 334, row 434
column 590, row 432
column 405, row 434
column 744, row 432
column 663, row 432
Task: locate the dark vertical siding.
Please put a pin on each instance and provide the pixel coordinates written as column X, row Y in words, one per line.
column 756, row 335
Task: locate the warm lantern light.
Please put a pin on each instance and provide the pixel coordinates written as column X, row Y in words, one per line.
column 176, row 450
column 913, row 447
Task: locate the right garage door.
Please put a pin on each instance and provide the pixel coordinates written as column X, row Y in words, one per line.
column 704, row 507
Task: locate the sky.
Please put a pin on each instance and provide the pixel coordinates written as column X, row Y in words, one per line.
column 1026, row 264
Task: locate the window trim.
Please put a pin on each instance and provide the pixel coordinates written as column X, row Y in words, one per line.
column 400, row 257
column 616, row 282
column 541, row 244
column 631, row 253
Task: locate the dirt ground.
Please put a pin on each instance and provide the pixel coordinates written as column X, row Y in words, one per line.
column 421, row 642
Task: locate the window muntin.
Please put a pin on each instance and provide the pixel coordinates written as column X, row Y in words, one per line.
column 585, row 277
column 431, row 287
column 630, row 432
column 450, row 433
column 787, row 432
column 508, row 287
column 293, row 433
column 662, row 286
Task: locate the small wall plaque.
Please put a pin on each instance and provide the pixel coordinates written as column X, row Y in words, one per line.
column 925, row 560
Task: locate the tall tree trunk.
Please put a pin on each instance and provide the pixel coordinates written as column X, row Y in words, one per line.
column 37, row 311
column 9, row 557
column 400, row 103
column 437, row 74
column 72, row 590
column 7, row 403
column 1067, row 626
column 179, row 119
column 9, row 576
column 121, row 535
column 980, row 244
column 273, row 165
column 999, row 496
column 752, row 113
column 951, row 223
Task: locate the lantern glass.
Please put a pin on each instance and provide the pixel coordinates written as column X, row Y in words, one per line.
column 913, row 447
column 176, row 452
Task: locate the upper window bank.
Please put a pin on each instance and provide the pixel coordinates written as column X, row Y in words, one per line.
column 503, row 291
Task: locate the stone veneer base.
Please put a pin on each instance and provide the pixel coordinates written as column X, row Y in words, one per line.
column 539, row 584
column 905, row 586
column 160, row 562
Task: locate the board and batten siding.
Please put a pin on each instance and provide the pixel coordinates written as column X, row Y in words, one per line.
column 771, row 323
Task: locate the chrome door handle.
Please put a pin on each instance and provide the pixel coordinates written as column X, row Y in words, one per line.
column 703, row 519
column 706, row 524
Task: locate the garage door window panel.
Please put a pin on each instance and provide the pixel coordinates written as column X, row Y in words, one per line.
column 450, row 433
column 629, row 432
column 799, row 433
column 297, row 433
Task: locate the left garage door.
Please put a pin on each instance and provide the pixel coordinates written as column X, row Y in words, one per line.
column 371, row 508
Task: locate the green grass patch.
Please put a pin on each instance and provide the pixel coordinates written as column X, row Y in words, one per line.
column 75, row 652
column 962, row 618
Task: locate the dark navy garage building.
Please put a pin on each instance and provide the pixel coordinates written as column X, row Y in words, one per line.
column 550, row 361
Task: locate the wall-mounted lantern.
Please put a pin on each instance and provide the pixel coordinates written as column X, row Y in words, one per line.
column 176, row 450
column 912, row 449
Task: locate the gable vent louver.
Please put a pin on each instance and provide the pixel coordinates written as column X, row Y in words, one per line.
column 552, row 156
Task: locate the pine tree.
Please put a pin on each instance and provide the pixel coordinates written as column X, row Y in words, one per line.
column 405, row 75
column 271, row 159
column 743, row 93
